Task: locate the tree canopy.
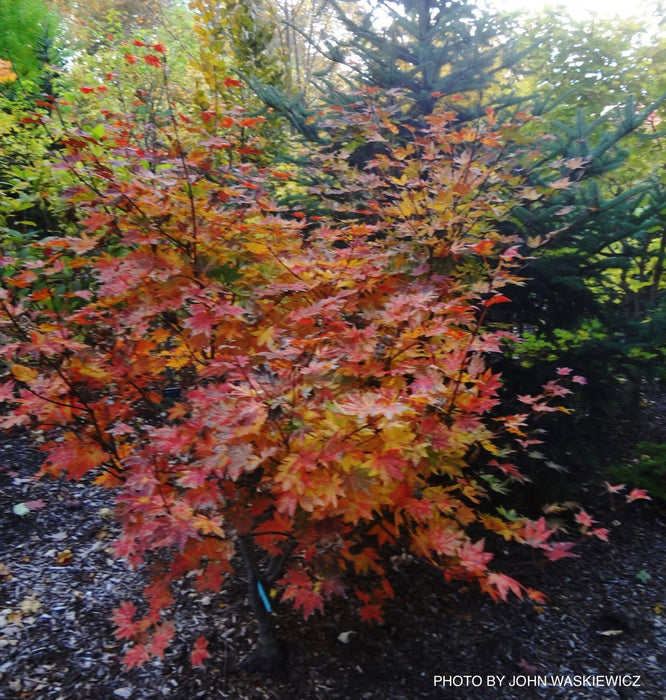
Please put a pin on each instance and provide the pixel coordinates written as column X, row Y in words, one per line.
column 305, row 294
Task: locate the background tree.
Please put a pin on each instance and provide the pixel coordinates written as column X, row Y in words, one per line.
column 595, row 286
column 433, row 50
column 28, row 33
column 30, row 37
column 305, row 28
column 89, row 23
column 593, row 64
column 237, row 37
column 238, row 51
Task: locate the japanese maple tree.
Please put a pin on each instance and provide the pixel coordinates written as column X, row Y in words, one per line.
column 303, row 387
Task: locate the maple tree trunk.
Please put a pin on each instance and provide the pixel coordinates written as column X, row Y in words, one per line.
column 269, row 654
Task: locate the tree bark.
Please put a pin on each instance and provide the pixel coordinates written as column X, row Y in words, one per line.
column 269, row 654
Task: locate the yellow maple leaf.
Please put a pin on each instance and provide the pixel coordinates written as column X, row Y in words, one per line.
column 397, row 436
column 267, row 337
column 207, row 526
column 23, row 374
column 256, row 247
column 94, row 372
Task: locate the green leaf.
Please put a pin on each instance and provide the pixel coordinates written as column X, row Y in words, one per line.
column 511, row 515
column 643, row 576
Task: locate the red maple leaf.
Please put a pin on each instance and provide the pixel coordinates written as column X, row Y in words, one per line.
column 371, row 613
column 503, row 585
column 473, row 557
column 535, row 533
column 161, row 639
column 200, row 652
column 122, row 618
column 526, row 398
column 6, row 391
column 614, row 489
column 300, row 589
column 211, row 579
column 584, row 519
column 362, row 595
column 332, row 586
column 601, row 533
column 445, row 541
column 159, row 595
column 559, row 550
column 497, row 299
column 76, row 454
column 136, row 656
column 309, row 601
column 636, row 494
column 509, row 469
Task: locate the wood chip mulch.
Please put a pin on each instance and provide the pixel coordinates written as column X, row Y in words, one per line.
column 605, row 615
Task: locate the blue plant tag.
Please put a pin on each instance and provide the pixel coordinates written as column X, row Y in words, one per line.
column 263, row 596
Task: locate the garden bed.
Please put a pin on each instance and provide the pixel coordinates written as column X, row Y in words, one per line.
column 605, row 615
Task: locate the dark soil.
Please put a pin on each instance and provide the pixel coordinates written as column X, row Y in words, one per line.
column 605, row 614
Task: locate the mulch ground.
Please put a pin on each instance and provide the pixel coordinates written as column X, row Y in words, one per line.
column 605, row 616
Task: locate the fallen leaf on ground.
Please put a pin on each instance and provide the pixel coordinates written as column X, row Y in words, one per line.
column 30, row 605
column 20, row 509
column 35, row 505
column 65, row 557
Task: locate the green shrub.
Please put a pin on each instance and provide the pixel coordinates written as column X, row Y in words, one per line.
column 647, row 471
